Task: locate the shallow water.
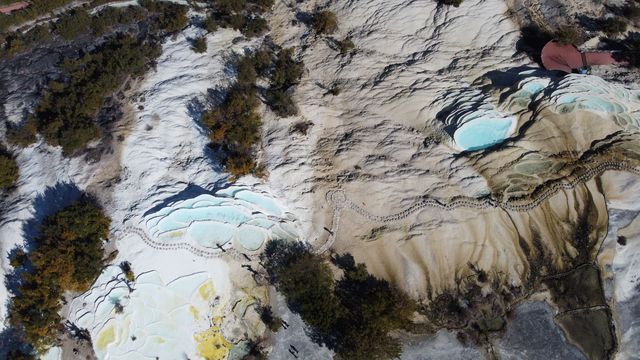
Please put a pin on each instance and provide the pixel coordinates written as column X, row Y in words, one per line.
column 235, row 214
column 483, row 132
column 157, row 318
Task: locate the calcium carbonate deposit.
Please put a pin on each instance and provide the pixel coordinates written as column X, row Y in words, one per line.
column 433, row 151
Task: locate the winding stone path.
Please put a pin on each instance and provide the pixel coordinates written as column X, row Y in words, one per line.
column 340, row 201
column 204, row 253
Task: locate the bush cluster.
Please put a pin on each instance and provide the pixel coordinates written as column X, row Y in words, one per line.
column 613, row 25
column 569, row 34
column 242, row 15
column 200, row 45
column 235, row 129
column 36, row 8
column 66, row 114
column 629, row 49
column 8, row 170
column 325, row 22
column 67, row 256
column 235, row 124
column 352, row 315
column 455, row 3
column 168, row 17
column 71, row 25
column 286, row 73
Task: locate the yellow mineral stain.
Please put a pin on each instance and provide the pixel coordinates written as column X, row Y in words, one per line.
column 207, row 291
column 176, row 234
column 212, row 345
column 194, row 312
column 106, row 337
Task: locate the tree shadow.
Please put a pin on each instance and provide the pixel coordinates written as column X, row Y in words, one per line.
column 11, row 342
column 305, row 17
column 190, row 192
column 49, row 202
column 532, row 40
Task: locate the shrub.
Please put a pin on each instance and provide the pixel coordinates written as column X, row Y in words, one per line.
column 9, row 171
column 325, row 22
column 169, row 17
column 246, row 71
column 35, row 9
column 352, row 315
column 229, row 6
column 235, row 129
column 306, row 281
column 254, row 27
column 569, row 34
column 281, row 103
column 455, row 3
column 24, row 135
column 72, row 24
column 235, row 125
column 19, row 354
column 65, row 115
column 112, row 16
column 262, row 61
column 67, row 256
column 200, row 45
column 239, row 15
column 613, row 25
column 287, row 71
column 210, row 24
column 273, row 322
column 263, row 5
column 630, row 10
column 15, row 44
column 345, row 46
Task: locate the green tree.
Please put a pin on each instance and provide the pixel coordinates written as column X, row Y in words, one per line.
column 72, row 24
column 9, row 171
column 352, row 315
column 66, row 114
column 67, row 256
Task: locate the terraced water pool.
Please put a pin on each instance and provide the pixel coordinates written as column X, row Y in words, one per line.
column 232, row 216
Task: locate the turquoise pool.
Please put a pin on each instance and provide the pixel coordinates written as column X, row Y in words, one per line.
column 481, row 133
